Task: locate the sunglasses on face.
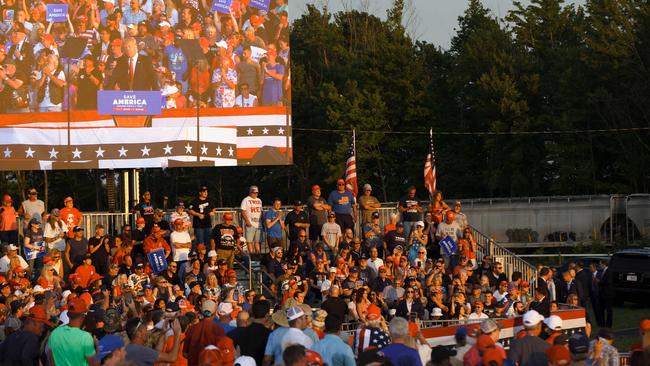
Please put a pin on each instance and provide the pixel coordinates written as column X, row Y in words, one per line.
column 409, row 291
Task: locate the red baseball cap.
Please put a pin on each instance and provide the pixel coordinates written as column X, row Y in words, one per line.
column 374, row 312
column 315, row 187
column 38, row 313
column 313, row 358
column 644, row 326
column 77, row 306
column 340, row 181
column 558, row 355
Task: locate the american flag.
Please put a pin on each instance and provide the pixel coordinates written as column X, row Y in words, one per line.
column 351, row 169
column 430, row 168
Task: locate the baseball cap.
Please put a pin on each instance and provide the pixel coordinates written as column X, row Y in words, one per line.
column 578, row 343
column 12, row 247
column 77, row 306
column 221, row 261
column 313, row 358
column 374, row 312
column 558, row 355
column 294, row 313
column 484, row 342
column 107, row 345
column 164, row 23
column 367, row 187
column 225, row 308
column 532, row 318
column 375, row 215
column 315, row 187
column 245, row 361
column 644, row 326
column 253, row 189
column 554, row 322
column 7, row 198
column 371, row 356
column 488, row 326
column 77, row 229
column 441, row 353
column 419, row 223
column 340, row 181
column 38, row 313
column 297, row 203
column 67, row 199
column 209, row 307
column 55, row 212
column 332, row 269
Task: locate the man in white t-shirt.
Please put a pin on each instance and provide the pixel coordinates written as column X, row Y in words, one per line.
column 331, row 233
column 32, row 205
column 182, row 214
column 181, row 242
column 478, row 315
column 245, row 99
column 374, row 262
column 12, row 252
column 251, row 210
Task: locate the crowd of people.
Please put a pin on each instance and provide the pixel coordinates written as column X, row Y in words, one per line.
column 238, row 57
column 339, row 287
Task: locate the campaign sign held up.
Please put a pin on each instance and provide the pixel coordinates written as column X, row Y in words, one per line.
column 157, row 260
column 260, row 4
column 222, row 6
column 448, row 246
column 36, row 253
column 129, row 102
column 56, row 12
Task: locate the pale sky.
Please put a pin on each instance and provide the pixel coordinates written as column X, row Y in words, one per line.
column 435, row 20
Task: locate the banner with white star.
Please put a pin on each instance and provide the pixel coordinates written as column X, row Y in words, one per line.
column 222, row 137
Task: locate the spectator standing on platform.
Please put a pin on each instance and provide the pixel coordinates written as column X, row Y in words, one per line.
column 70, row 215
column 317, row 208
column 55, row 231
column 251, row 210
column 373, row 234
column 76, row 249
column 202, row 210
column 224, row 239
column 343, row 205
column 8, row 221
column 410, row 208
column 146, row 208
column 369, row 204
column 296, row 220
column 274, row 225
column 32, row 205
column 460, row 218
column 100, row 250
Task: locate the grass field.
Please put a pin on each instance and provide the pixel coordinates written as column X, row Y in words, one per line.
column 626, row 317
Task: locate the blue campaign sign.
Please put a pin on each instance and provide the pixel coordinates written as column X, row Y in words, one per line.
column 157, row 260
column 222, row 6
column 33, row 253
column 129, row 102
column 56, row 12
column 448, row 245
column 260, row 4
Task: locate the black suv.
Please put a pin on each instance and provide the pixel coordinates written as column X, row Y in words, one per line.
column 631, row 274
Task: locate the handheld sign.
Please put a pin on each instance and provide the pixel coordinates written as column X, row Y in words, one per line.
column 157, row 260
column 222, row 6
column 260, row 4
column 448, row 245
column 56, row 12
column 35, row 253
column 129, row 102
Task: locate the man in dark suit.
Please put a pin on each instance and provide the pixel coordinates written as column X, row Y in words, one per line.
column 606, row 294
column 542, row 303
column 21, row 52
column 583, row 280
column 567, row 286
column 133, row 71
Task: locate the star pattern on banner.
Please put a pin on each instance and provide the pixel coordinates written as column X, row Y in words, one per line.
column 168, row 149
column 204, row 150
column 249, row 131
column 280, row 131
column 53, row 154
column 7, row 152
column 188, row 148
column 145, row 150
column 76, row 154
column 231, row 151
column 29, row 153
column 268, row 130
column 218, row 150
column 99, row 152
column 123, row 151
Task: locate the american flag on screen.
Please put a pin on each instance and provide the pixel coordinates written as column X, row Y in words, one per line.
column 351, row 169
column 430, row 168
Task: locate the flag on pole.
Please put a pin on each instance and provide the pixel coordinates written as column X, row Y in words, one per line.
column 430, row 168
column 351, row 167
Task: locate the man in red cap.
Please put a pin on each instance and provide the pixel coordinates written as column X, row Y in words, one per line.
column 344, row 205
column 558, row 356
column 68, row 344
column 317, row 209
column 373, row 333
column 8, row 223
column 70, row 215
column 224, row 238
column 156, row 241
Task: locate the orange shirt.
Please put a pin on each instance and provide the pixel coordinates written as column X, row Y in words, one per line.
column 71, row 217
column 9, row 222
column 169, row 344
column 150, row 243
column 85, row 273
column 465, row 249
column 389, row 227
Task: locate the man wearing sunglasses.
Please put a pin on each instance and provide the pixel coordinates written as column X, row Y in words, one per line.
column 344, row 205
column 32, row 205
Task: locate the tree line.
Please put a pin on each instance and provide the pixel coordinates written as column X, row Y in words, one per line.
column 576, row 76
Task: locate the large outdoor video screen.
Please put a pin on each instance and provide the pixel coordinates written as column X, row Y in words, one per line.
column 144, row 84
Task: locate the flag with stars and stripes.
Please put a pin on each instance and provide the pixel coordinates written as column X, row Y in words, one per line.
column 367, row 337
column 430, row 168
column 351, row 168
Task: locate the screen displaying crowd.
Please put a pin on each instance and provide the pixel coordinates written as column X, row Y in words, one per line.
column 70, row 297
column 193, row 55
